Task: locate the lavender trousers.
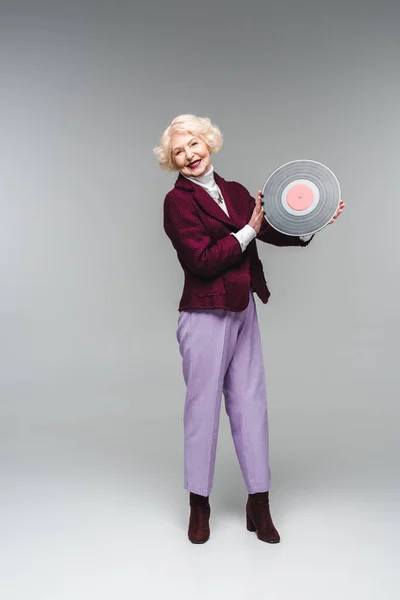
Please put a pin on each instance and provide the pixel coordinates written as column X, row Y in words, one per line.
column 222, row 354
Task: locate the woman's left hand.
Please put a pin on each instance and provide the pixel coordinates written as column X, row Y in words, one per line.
column 339, row 210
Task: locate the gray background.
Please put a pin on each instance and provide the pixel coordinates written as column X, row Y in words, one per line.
column 92, row 501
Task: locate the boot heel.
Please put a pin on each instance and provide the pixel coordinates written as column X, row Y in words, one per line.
column 249, row 523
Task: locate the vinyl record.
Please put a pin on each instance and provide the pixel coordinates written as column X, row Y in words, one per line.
column 301, row 197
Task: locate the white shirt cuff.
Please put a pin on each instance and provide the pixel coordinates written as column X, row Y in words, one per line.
column 244, row 236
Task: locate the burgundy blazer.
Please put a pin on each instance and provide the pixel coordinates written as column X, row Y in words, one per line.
column 217, row 273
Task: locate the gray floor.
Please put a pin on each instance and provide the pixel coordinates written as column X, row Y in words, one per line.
column 94, row 511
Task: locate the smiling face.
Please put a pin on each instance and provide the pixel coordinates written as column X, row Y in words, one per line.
column 191, row 154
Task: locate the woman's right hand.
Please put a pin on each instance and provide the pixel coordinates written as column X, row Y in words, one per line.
column 258, row 213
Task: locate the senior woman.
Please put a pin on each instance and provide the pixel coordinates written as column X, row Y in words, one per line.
column 213, row 225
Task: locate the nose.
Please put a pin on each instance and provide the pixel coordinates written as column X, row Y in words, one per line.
column 189, row 155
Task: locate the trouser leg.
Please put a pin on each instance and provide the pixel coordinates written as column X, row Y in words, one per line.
column 207, row 340
column 246, row 403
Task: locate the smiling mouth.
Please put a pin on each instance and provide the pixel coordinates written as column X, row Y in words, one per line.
column 194, row 164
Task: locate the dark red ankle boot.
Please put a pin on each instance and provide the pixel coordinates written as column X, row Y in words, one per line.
column 259, row 518
column 199, row 528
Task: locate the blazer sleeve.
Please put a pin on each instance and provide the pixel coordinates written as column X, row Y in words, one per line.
column 193, row 244
column 267, row 233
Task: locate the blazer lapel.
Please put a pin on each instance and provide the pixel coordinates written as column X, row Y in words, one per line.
column 208, row 204
column 238, row 217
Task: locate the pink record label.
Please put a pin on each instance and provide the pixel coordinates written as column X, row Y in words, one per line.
column 300, row 197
